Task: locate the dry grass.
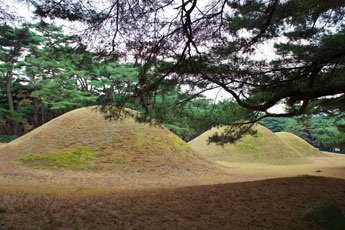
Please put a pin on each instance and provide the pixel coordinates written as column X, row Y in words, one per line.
column 299, row 144
column 61, row 199
column 251, row 205
column 329, row 165
column 265, row 147
column 152, row 180
column 121, row 145
column 18, row 176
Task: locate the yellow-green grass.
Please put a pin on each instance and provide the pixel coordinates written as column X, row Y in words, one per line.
column 264, row 147
column 116, row 145
column 299, row 144
column 76, row 158
column 2, row 144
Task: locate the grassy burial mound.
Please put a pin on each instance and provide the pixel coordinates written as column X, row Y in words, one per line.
column 84, row 139
column 299, row 144
column 264, row 147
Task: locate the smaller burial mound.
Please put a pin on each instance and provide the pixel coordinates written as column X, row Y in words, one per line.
column 299, row 144
column 84, row 139
column 264, row 147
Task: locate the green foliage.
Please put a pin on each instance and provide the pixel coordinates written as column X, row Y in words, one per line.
column 115, row 83
column 62, row 94
column 326, row 214
column 56, row 73
column 14, row 42
column 7, row 138
column 7, row 115
column 54, row 76
column 188, row 117
column 76, row 158
column 219, row 45
column 59, row 72
column 319, row 130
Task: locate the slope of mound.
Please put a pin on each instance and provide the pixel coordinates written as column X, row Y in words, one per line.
column 299, row 144
column 83, row 139
column 264, row 147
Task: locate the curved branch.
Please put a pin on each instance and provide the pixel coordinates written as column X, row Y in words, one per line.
column 293, row 94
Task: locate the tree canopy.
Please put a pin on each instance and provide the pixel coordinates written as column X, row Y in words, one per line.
column 211, row 44
column 318, row 130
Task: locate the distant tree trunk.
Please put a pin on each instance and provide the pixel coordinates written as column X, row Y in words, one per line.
column 36, row 111
column 10, row 101
column 19, row 129
column 7, row 129
column 8, row 90
column 43, row 114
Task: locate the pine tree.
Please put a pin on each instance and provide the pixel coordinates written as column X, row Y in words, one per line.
column 14, row 42
column 59, row 74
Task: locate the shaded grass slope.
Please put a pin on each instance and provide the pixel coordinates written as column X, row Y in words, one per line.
column 269, row 204
column 264, row 147
column 299, row 144
column 83, row 139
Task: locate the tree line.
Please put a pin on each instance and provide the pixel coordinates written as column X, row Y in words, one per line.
column 217, row 44
column 44, row 74
column 318, row 130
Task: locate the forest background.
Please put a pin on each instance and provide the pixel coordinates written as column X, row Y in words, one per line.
column 44, row 74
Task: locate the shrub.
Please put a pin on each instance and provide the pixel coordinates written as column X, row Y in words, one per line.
column 326, row 214
column 6, row 138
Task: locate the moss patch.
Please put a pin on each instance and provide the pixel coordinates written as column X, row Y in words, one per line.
column 74, row 159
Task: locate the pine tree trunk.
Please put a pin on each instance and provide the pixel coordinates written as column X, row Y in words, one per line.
column 36, row 111
column 10, row 101
column 43, row 114
column 8, row 90
column 7, row 130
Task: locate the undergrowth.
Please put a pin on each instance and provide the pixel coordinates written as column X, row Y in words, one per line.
column 7, row 138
